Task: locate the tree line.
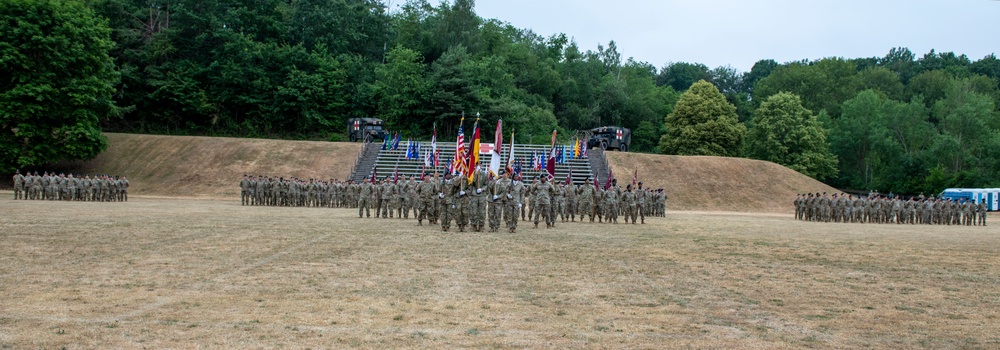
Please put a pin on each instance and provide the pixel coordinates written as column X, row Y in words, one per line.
column 297, row 69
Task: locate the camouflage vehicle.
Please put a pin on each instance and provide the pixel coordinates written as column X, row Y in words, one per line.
column 365, row 129
column 610, row 137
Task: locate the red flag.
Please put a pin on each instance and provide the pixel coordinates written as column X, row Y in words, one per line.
column 597, row 187
column 550, row 165
column 611, row 175
column 395, row 175
column 374, row 174
column 635, row 178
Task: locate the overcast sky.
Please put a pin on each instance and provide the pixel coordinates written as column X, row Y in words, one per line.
column 739, row 33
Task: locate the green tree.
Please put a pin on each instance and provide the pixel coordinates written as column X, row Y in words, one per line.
column 681, row 75
column 823, row 85
column 57, row 82
column 786, row 133
column 703, row 123
column 400, row 87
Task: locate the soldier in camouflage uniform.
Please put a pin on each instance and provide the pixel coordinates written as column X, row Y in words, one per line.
column 513, row 203
column 427, row 190
column 366, row 195
column 585, row 200
column 629, row 204
column 18, row 185
column 478, row 200
column 572, row 204
column 981, row 213
column 451, row 194
column 499, row 190
column 611, row 196
column 640, row 203
column 543, row 192
column 559, row 202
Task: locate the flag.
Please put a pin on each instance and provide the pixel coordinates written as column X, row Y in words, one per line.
column 437, row 158
column 517, row 167
column 409, row 149
column 451, row 166
column 510, row 157
column 395, row 175
column 474, row 153
column 569, row 177
column 576, row 148
column 395, row 143
column 583, row 150
column 416, row 151
column 635, row 178
column 597, row 187
column 427, row 161
column 385, row 144
column 550, row 166
column 375, row 174
column 497, row 150
column 434, row 143
column 611, row 175
column 458, row 163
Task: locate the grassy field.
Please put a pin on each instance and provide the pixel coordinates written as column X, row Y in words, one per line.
column 170, row 273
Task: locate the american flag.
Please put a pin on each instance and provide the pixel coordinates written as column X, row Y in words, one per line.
column 460, row 155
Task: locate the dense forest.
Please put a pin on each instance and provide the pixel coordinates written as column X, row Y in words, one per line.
column 298, row 69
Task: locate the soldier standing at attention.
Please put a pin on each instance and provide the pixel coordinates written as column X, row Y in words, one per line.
column 543, row 199
column 585, row 200
column 426, row 191
column 478, row 200
column 531, row 197
column 71, row 184
column 522, row 193
column 981, row 213
column 378, row 188
column 18, row 184
column 640, row 203
column 512, row 202
column 451, row 193
column 628, row 203
column 571, row 201
column 365, row 196
column 558, row 202
column 125, row 185
column 518, row 191
column 611, row 196
column 498, row 193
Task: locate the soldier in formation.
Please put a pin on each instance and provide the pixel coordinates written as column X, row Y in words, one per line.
column 480, row 204
column 881, row 209
column 69, row 187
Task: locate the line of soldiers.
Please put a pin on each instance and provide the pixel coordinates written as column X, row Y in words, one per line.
column 482, row 203
column 884, row 210
column 49, row 186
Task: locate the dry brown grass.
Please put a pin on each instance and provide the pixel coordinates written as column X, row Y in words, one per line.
column 212, row 167
column 169, row 273
column 717, row 183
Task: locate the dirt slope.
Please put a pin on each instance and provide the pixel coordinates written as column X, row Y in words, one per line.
column 212, row 166
column 716, row 183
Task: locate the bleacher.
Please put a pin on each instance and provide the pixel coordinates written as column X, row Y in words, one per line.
column 388, row 161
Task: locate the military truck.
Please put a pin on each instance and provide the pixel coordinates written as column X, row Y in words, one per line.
column 365, row 129
column 610, row 137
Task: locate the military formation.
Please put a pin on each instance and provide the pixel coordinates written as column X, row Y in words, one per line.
column 881, row 209
column 63, row 187
column 478, row 204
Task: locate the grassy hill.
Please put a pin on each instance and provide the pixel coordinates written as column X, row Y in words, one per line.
column 210, row 167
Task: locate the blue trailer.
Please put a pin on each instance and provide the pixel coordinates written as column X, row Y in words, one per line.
column 990, row 195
